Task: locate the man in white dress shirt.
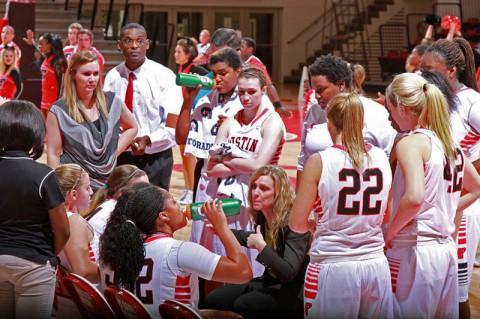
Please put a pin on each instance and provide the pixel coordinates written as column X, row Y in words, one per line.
column 153, row 96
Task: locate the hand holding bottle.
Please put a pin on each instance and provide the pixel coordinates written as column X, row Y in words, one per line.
column 213, row 210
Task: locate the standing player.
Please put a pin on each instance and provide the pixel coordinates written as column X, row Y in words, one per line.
column 254, row 137
column 454, row 59
column 348, row 275
column 426, row 193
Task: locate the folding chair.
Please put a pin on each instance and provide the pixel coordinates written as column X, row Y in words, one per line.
column 88, row 299
column 125, row 305
column 172, row 309
column 60, row 289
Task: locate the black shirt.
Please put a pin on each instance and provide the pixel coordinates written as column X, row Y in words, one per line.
column 27, row 191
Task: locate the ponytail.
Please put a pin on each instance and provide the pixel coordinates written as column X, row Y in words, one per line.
column 468, row 76
column 435, row 116
column 345, row 110
column 457, row 53
column 427, row 101
column 122, row 244
column 120, row 178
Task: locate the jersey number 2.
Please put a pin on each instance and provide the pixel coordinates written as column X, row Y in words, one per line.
column 355, row 209
column 148, row 297
column 455, row 180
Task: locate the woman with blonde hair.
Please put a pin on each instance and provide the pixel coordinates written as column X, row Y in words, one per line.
column 88, row 127
column 10, row 81
column 78, row 254
column 431, row 172
column 348, row 275
column 278, row 292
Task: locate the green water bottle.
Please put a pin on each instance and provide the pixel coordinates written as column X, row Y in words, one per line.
column 194, row 80
column 231, row 206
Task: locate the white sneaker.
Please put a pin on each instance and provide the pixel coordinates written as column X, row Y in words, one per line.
column 186, row 197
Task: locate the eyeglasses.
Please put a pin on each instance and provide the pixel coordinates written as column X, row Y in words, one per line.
column 130, row 42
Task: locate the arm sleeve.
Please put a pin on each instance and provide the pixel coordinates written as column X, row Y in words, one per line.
column 302, row 156
column 241, row 236
column 474, row 114
column 312, row 117
column 18, row 81
column 286, row 268
column 50, row 191
column 196, row 259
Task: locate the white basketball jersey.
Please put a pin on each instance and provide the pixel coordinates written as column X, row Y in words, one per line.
column 248, row 137
column 92, row 248
column 353, row 204
column 170, row 271
column 378, row 130
column 443, row 183
column 466, row 131
column 203, row 124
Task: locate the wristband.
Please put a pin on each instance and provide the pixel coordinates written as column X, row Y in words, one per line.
column 277, row 104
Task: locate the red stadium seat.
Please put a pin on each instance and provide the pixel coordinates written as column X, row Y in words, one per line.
column 88, row 299
column 125, row 304
column 175, row 310
column 60, row 289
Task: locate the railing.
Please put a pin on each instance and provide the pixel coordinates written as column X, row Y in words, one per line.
column 329, row 25
column 157, row 37
column 308, row 27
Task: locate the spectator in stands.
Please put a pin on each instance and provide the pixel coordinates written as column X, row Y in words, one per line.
column 88, row 127
column 150, row 92
column 8, row 34
column 204, row 44
column 247, row 51
column 53, row 67
column 4, row 20
column 85, row 42
column 71, row 44
column 10, row 81
column 413, row 61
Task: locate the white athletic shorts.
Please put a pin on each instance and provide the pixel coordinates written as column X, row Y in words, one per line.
column 463, row 275
column 349, row 289
column 424, row 278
